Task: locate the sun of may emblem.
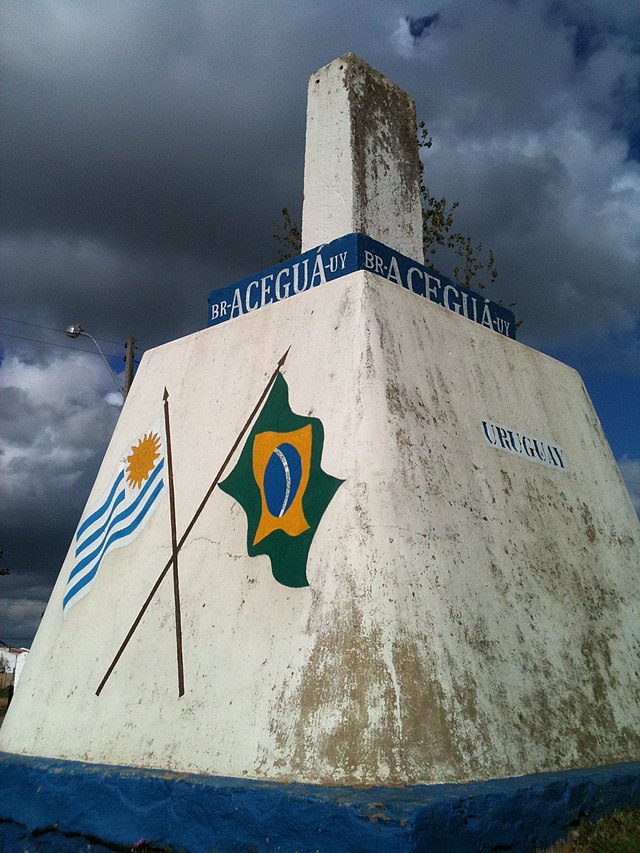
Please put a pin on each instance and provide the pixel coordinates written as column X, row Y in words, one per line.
column 142, row 459
column 280, row 485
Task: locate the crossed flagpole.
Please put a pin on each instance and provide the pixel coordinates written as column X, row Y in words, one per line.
column 176, row 545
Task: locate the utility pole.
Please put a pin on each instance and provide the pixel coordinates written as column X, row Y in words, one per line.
column 130, row 350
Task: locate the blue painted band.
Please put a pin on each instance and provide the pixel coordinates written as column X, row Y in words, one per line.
column 64, row 803
column 342, row 257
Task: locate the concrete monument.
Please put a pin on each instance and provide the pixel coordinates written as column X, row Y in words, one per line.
column 379, row 544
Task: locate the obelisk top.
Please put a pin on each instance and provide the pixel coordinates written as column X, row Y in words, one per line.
column 361, row 159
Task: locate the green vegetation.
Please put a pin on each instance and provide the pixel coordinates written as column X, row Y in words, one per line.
column 618, row 832
column 4, row 698
column 289, row 236
column 473, row 268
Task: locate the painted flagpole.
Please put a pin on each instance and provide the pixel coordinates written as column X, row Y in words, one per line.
column 191, row 524
column 174, row 547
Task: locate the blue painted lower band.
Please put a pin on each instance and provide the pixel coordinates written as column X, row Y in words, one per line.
column 71, row 806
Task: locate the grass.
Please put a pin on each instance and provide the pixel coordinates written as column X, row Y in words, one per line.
column 618, row 832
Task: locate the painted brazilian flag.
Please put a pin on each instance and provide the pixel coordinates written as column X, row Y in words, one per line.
column 280, row 485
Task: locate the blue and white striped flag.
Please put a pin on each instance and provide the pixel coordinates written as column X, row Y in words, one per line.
column 122, row 513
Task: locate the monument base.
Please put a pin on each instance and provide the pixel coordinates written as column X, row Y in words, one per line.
column 72, row 806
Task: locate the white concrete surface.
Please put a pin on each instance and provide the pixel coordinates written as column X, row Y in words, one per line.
column 361, row 159
column 470, row 614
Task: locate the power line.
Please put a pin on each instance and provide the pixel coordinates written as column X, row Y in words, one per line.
column 51, row 329
column 36, row 325
column 63, row 346
column 15, row 638
column 52, row 344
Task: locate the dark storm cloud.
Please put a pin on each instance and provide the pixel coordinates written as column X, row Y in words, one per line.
column 56, row 421
column 113, row 290
column 147, row 151
column 134, row 130
column 530, row 142
column 156, row 124
column 51, row 429
column 419, row 27
column 148, row 148
column 18, row 422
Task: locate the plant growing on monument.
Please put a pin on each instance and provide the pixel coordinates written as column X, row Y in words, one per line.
column 438, row 233
column 289, row 236
column 472, row 269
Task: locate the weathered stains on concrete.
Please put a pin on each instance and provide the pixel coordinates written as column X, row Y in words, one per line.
column 361, row 159
column 460, row 622
column 545, row 576
column 590, row 530
column 428, row 738
column 479, row 689
column 386, row 166
column 345, row 705
column 361, row 716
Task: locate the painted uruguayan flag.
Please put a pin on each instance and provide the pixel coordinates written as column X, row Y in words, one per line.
column 121, row 514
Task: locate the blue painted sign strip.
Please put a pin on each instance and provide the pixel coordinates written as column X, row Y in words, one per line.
column 342, row 257
column 318, row 266
column 381, row 260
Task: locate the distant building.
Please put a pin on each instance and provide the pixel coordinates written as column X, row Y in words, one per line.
column 12, row 660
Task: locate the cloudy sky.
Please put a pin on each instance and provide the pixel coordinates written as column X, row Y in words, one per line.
column 148, row 146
